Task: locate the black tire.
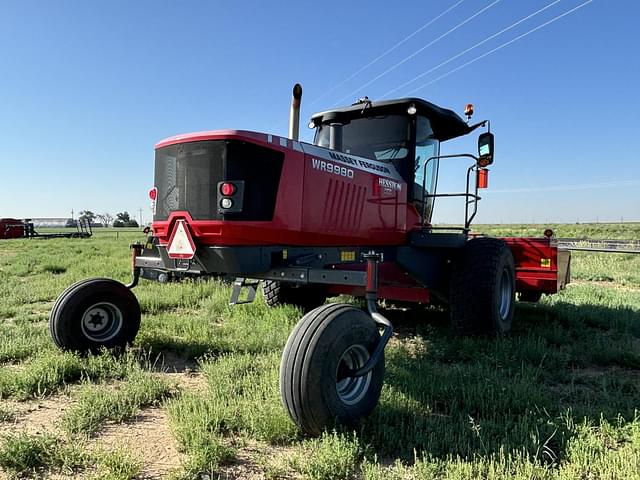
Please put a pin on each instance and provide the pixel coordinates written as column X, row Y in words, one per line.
column 531, row 297
column 482, row 290
column 76, row 320
column 313, row 388
column 307, row 297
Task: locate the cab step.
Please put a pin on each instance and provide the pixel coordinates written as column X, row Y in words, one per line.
column 240, row 283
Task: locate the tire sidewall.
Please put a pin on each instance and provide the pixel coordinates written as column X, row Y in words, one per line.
column 69, row 313
column 320, row 367
column 506, row 263
column 475, row 287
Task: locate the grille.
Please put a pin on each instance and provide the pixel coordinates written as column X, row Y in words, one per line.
column 186, row 176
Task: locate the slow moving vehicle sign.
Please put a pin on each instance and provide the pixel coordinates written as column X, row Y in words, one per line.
column 181, row 244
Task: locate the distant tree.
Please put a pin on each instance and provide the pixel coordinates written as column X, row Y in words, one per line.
column 123, row 219
column 123, row 216
column 87, row 216
column 105, row 218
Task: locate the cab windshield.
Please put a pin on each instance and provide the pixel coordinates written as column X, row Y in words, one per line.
column 384, row 137
column 426, row 147
column 425, row 167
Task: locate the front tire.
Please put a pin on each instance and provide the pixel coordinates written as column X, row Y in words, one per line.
column 315, row 387
column 483, row 288
column 93, row 314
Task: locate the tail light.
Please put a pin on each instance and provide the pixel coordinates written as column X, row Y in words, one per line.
column 153, row 195
column 227, row 189
column 230, row 196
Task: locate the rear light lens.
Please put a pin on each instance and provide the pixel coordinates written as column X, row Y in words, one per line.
column 153, row 194
column 226, row 203
column 228, row 189
column 483, row 178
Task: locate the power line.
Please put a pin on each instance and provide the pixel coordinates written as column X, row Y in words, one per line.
column 421, row 49
column 500, row 47
column 449, row 60
column 379, row 57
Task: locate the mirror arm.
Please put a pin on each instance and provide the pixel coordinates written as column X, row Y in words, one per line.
column 480, row 124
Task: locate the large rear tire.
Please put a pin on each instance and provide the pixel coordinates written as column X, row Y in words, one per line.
column 483, row 288
column 307, row 297
column 95, row 313
column 315, row 387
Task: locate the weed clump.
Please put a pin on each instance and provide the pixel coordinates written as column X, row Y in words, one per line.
column 116, row 465
column 333, row 456
column 98, row 404
column 24, row 454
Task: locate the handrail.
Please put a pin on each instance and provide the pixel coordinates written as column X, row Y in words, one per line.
column 469, row 197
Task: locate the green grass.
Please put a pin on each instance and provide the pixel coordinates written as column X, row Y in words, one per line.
column 558, row 398
column 116, row 465
column 36, row 455
column 623, row 231
column 333, row 456
column 23, row 454
column 44, row 374
column 96, row 405
column 6, row 415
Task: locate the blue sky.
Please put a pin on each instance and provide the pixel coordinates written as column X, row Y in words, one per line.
column 87, row 88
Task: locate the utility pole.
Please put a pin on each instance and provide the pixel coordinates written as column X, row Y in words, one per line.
column 140, row 211
column 72, row 214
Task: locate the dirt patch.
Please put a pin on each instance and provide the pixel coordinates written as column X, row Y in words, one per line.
column 259, row 461
column 193, row 382
column 169, row 362
column 36, row 416
column 148, row 438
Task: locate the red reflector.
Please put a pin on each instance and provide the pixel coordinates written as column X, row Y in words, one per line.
column 153, row 193
column 483, row 178
column 227, row 189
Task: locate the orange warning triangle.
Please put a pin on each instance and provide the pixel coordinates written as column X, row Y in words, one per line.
column 181, row 244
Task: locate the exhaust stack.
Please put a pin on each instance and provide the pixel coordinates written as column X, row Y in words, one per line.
column 294, row 113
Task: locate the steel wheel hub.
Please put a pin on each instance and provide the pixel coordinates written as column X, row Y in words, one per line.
column 352, row 389
column 101, row 322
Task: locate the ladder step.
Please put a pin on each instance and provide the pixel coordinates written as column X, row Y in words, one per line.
column 240, row 283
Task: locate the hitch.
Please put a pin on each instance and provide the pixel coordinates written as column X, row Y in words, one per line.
column 371, row 296
column 136, row 249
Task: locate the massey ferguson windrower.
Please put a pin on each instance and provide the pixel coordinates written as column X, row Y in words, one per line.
column 347, row 215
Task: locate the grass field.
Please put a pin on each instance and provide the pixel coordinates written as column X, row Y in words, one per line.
column 197, row 395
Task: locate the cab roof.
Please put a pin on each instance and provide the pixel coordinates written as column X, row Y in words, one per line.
column 446, row 124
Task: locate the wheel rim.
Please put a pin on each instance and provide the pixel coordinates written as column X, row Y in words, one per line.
column 102, row 321
column 352, row 389
column 506, row 293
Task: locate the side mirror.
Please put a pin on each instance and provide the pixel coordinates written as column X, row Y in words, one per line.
column 485, row 149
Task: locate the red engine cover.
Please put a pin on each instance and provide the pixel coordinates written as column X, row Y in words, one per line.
column 324, row 198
